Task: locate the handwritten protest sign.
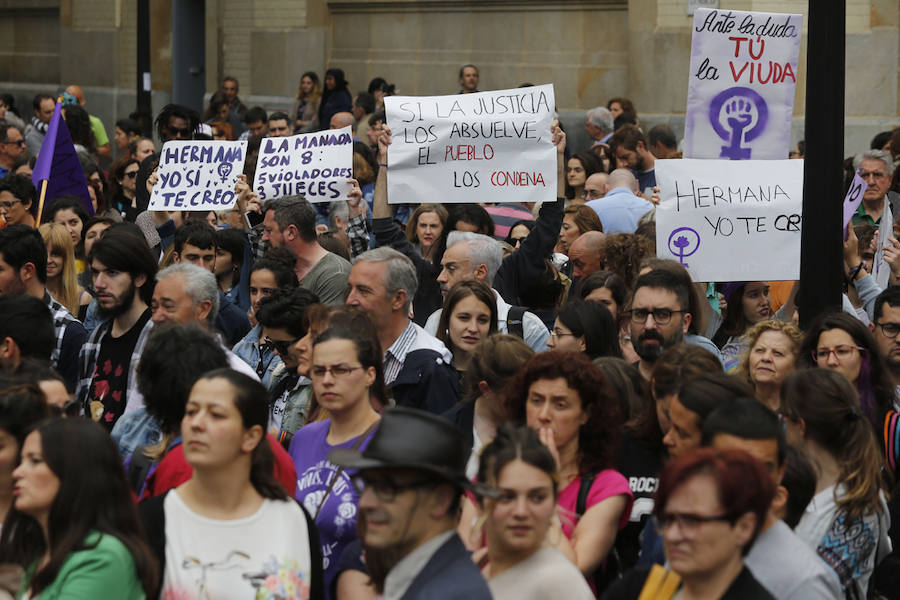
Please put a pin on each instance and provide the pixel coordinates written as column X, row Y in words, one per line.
column 313, row 165
column 731, row 220
column 853, row 199
column 742, row 80
column 198, row 175
column 485, row 147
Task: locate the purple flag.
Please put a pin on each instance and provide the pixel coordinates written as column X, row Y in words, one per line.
column 58, row 163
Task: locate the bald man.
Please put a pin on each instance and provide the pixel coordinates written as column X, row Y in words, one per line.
column 586, row 254
column 99, row 131
column 341, row 120
column 595, row 186
column 620, row 209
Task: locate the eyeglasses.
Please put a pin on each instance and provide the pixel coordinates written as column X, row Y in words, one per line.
column 282, row 347
column 661, row 315
column 889, row 329
column 687, row 522
column 131, row 174
column 841, row 353
column 559, row 334
column 516, row 241
column 337, row 371
column 9, row 204
column 19, row 143
column 385, row 488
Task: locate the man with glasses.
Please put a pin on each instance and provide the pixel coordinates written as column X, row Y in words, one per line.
column 876, row 168
column 186, row 293
column 886, row 329
column 620, row 209
column 659, row 316
column 17, row 200
column 12, row 148
column 281, row 316
column 410, row 479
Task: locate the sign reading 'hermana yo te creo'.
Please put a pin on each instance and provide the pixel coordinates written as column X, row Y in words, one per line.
column 731, row 220
column 483, row 147
column 198, row 175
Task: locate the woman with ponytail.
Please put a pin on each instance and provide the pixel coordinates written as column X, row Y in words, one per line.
column 846, row 522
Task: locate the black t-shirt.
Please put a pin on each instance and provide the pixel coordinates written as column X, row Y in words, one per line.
column 640, row 465
column 109, row 384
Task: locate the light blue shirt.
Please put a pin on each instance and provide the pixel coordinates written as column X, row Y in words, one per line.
column 619, row 210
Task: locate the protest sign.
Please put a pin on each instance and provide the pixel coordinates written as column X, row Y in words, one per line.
column 741, row 87
column 731, row 220
column 853, row 199
column 483, row 147
column 198, row 175
column 882, row 269
column 313, row 165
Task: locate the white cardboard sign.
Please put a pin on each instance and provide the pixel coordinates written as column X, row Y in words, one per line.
column 313, row 165
column 731, row 220
column 198, row 175
column 484, row 147
column 741, row 87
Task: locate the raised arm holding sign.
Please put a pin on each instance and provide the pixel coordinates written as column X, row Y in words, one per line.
column 481, row 147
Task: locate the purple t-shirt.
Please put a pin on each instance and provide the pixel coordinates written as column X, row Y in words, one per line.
column 336, row 521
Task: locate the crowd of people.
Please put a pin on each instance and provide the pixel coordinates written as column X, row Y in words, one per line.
column 360, row 399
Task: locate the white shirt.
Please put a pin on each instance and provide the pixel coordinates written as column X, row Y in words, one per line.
column 210, row 558
column 534, row 332
column 404, row 572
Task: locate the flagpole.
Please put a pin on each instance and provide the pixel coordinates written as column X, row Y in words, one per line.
column 41, row 201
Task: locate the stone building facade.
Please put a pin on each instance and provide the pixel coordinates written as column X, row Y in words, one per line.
column 590, row 49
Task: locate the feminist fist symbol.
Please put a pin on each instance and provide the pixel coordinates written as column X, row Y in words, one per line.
column 738, row 115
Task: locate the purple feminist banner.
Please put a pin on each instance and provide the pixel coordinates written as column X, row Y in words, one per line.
column 741, row 87
column 58, row 164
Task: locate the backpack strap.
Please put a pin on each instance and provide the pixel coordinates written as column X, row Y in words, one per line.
column 138, row 469
column 587, row 480
column 153, row 516
column 514, row 323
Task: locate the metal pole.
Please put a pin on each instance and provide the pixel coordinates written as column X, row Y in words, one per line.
column 821, row 256
column 144, row 100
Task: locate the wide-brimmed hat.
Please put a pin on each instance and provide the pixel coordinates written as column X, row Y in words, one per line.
column 414, row 439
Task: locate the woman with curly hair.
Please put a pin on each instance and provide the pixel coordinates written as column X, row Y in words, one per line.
column 624, row 252
column 566, row 399
column 771, row 355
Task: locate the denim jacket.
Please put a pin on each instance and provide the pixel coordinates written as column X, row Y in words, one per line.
column 248, row 350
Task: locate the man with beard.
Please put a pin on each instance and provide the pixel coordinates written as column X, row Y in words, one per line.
column 123, row 270
column 411, row 478
column 23, row 271
column 631, row 151
column 659, row 316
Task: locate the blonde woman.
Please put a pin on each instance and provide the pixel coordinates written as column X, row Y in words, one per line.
column 62, row 280
column 306, row 104
column 772, row 348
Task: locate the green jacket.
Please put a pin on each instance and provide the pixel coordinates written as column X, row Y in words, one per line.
column 104, row 571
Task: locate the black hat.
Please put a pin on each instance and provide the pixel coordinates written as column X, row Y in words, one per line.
column 414, row 439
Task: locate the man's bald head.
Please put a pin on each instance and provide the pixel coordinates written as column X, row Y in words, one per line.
column 595, row 186
column 76, row 91
column 585, row 253
column 341, row 120
column 621, row 178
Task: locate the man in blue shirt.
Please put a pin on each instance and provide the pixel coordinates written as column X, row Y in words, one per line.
column 620, row 209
